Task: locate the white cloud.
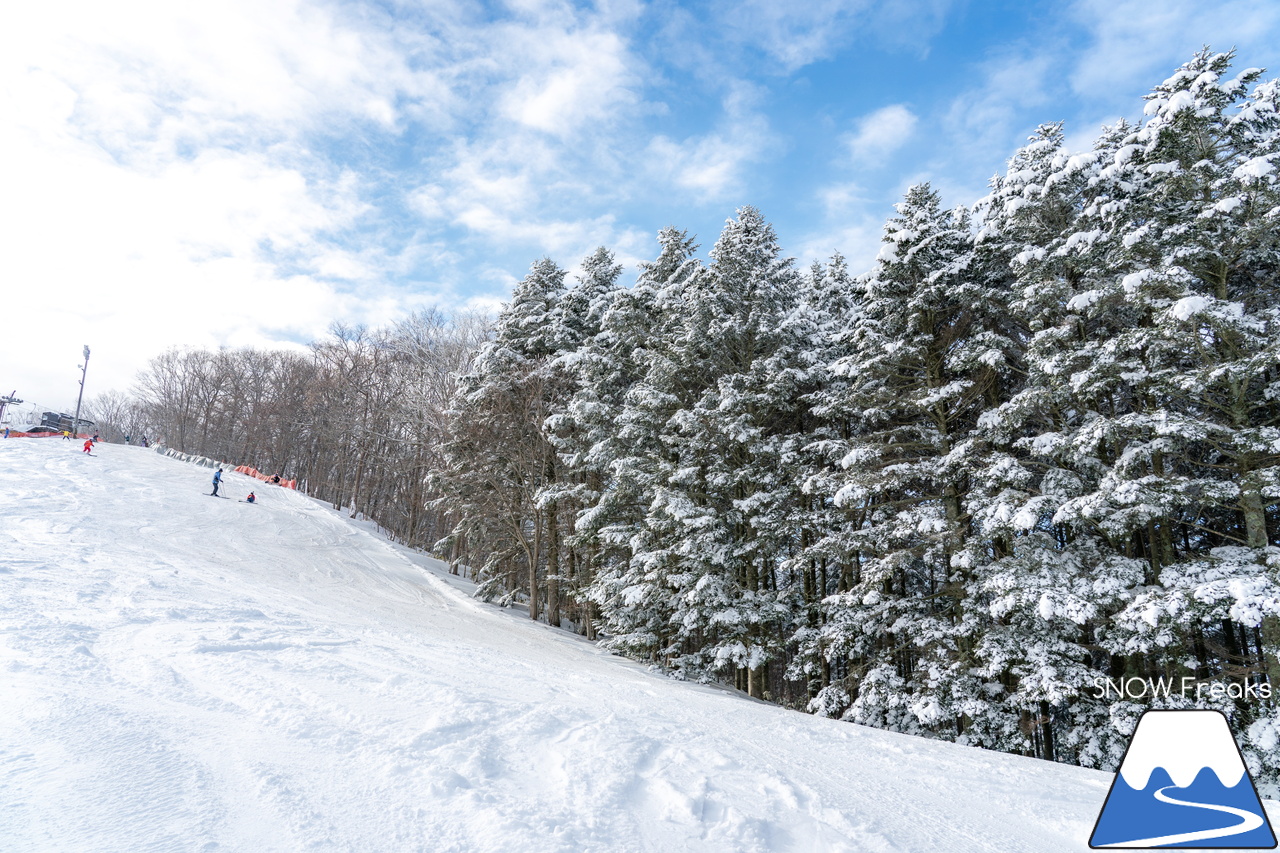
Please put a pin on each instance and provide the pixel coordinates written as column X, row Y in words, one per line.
column 853, row 222
column 797, row 34
column 155, row 72
column 488, row 178
column 841, row 199
column 573, row 78
column 709, row 166
column 857, row 239
column 513, row 200
column 133, row 263
column 712, row 166
column 882, row 132
column 232, row 173
column 166, row 193
column 1136, row 44
column 171, row 188
column 552, row 96
column 1009, row 85
column 984, row 124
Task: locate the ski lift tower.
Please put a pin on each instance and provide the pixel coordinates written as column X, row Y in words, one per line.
column 6, row 401
column 84, row 368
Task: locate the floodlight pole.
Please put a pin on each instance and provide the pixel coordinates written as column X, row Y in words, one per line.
column 84, row 368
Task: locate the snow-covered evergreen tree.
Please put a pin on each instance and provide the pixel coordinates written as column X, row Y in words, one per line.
column 497, row 457
column 575, row 423
column 917, row 394
column 1037, row 446
column 629, row 391
column 1044, row 586
column 1184, row 389
column 820, row 560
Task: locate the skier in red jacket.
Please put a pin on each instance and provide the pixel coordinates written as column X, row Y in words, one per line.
column 88, row 445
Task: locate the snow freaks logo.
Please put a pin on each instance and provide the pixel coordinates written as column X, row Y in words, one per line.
column 1183, row 783
column 1142, row 688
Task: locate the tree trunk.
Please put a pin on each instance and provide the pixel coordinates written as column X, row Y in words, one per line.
column 588, row 606
column 1046, row 731
column 1255, row 514
column 533, row 575
column 553, row 565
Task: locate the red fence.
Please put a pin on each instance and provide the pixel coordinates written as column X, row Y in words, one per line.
column 13, row 434
column 254, row 472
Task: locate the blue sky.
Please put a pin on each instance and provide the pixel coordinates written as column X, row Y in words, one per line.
column 248, row 171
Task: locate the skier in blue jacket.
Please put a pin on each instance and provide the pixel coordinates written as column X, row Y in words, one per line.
column 217, row 480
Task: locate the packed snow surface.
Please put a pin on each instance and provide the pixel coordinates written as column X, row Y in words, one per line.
column 187, row 673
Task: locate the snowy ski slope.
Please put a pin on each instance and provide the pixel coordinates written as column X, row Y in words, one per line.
column 184, row 673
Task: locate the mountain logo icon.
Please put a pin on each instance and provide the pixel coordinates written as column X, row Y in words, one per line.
column 1183, row 783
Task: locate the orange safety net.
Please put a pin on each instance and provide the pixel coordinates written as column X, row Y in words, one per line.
column 254, row 472
column 14, row 434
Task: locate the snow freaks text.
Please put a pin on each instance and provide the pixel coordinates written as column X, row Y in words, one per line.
column 1186, row 687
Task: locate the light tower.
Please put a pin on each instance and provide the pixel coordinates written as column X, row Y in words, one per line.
column 84, row 368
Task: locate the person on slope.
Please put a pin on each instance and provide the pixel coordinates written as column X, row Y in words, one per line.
column 276, row 479
column 88, row 445
column 250, row 499
column 217, row 481
column 66, row 436
column 6, row 432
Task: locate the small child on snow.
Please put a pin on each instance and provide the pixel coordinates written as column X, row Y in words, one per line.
column 251, row 498
column 217, row 480
column 88, row 445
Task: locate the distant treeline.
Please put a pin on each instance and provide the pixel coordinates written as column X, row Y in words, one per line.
column 1035, row 450
column 356, row 419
